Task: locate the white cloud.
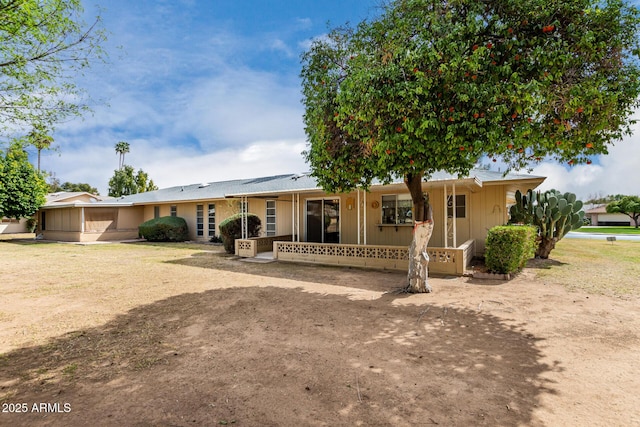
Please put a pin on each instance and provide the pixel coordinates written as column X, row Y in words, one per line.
column 305, row 45
column 616, row 173
column 194, row 110
column 303, row 23
column 240, row 107
column 170, row 166
column 261, row 158
column 280, row 46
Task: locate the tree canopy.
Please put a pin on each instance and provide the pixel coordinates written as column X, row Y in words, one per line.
column 437, row 85
column 39, row 137
column 44, row 46
column 55, row 187
column 23, row 190
column 599, row 199
column 122, row 148
column 628, row 205
column 124, row 182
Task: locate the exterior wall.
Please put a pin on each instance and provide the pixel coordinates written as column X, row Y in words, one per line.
column 390, row 234
column 12, row 226
column 109, row 236
column 129, row 218
column 224, row 209
column 382, row 234
column 485, row 208
column 283, row 214
column 489, row 209
column 76, row 198
column 65, row 224
column 61, row 224
column 64, row 219
column 62, row 236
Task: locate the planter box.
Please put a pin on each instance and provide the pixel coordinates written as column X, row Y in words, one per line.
column 491, row 276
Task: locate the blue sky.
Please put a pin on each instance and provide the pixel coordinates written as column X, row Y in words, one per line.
column 209, row 90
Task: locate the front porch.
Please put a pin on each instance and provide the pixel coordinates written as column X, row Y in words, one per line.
column 446, row 261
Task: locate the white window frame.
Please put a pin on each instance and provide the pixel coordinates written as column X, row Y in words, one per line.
column 408, row 219
column 270, row 219
column 200, row 220
column 459, row 206
column 211, row 219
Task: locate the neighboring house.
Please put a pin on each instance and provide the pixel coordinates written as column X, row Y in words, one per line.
column 12, row 226
column 294, row 208
column 599, row 216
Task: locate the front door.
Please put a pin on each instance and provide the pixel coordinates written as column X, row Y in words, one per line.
column 323, row 221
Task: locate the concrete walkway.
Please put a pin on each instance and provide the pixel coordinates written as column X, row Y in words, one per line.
column 261, row 258
column 602, row 236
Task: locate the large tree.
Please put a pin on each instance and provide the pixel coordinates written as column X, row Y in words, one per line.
column 22, row 188
column 44, row 46
column 628, row 205
column 55, row 187
column 436, row 85
column 122, row 148
column 124, row 182
column 40, row 138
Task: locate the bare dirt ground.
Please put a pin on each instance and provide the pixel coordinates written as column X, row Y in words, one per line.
column 146, row 335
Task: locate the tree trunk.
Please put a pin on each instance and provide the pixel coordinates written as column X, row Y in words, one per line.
column 417, row 277
column 545, row 247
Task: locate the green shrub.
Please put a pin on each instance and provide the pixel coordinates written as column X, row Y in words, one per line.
column 32, row 224
column 215, row 239
column 509, row 247
column 231, row 229
column 165, row 229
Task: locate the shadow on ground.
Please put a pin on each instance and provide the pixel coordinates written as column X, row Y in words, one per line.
column 362, row 278
column 270, row 356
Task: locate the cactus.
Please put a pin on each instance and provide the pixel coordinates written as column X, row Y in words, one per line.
column 553, row 213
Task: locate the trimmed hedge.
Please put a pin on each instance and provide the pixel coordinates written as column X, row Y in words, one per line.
column 165, row 229
column 509, row 247
column 231, row 229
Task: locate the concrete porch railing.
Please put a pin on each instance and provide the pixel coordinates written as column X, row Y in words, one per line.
column 249, row 248
column 451, row 261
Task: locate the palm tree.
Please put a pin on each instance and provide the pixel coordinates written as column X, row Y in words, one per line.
column 39, row 138
column 122, row 148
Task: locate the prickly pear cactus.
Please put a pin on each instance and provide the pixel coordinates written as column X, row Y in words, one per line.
column 553, row 212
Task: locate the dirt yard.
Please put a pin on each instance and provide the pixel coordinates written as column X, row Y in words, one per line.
column 181, row 335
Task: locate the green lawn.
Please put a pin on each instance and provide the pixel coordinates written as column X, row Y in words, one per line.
column 594, row 266
column 609, row 230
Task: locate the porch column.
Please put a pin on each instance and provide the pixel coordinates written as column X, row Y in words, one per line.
column 298, row 215
column 358, row 212
column 453, row 198
column 293, row 217
column 82, row 219
column 446, row 220
column 365, row 217
column 243, row 217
